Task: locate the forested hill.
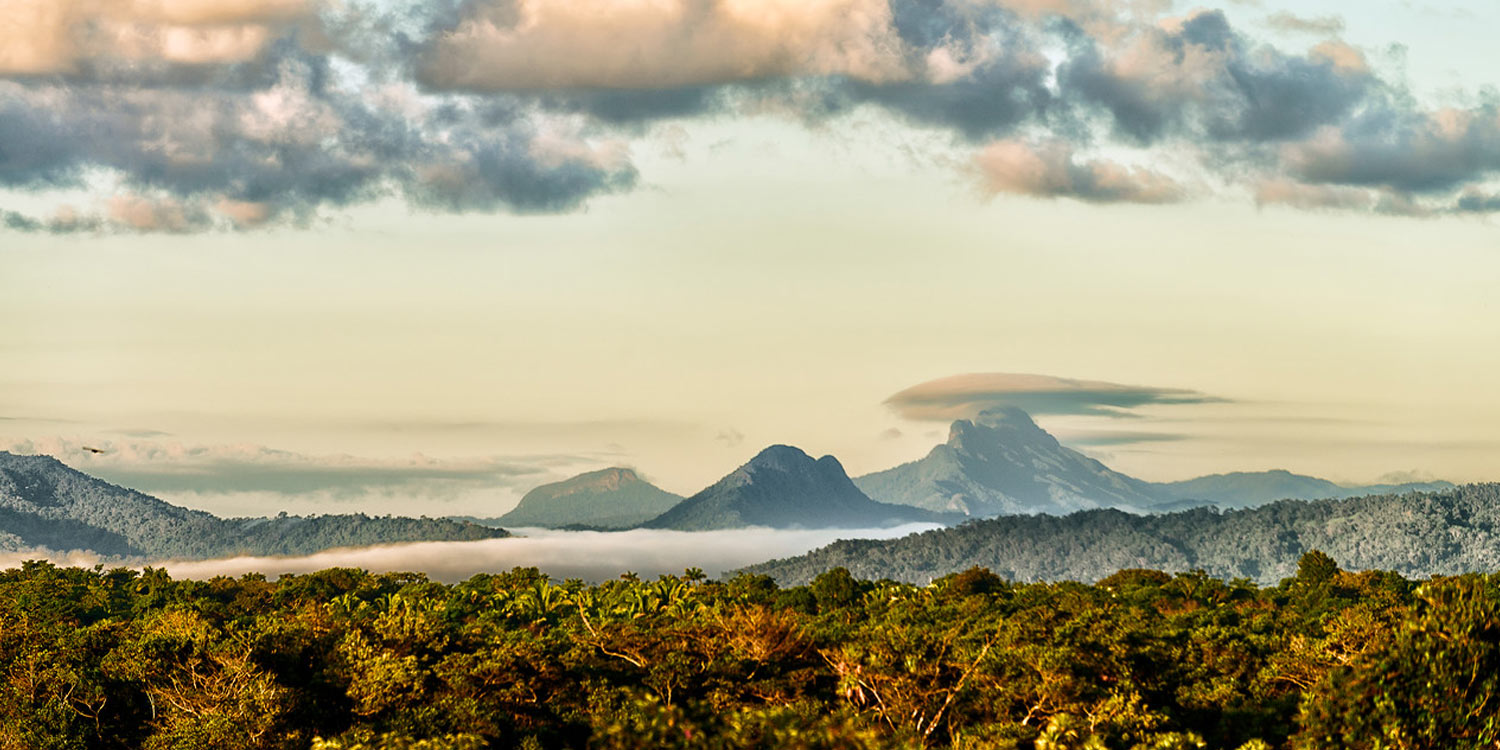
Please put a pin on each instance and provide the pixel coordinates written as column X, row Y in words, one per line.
column 44, row 503
column 1417, row 534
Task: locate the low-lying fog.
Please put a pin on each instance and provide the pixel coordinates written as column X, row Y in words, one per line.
column 590, row 555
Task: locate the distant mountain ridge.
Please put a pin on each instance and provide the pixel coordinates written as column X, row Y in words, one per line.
column 1415, row 534
column 45, row 503
column 783, row 487
column 1245, row 489
column 1002, row 463
column 615, row 498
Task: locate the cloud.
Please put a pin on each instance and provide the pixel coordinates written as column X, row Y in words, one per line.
column 544, row 45
column 1199, row 78
column 591, row 556
column 1109, row 438
column 241, row 115
column 1052, row 170
column 1389, row 147
column 1290, row 22
column 39, row 37
column 965, row 396
column 254, row 480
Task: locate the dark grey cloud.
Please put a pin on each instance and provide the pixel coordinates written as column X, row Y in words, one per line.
column 1392, row 146
column 1205, row 80
column 966, row 396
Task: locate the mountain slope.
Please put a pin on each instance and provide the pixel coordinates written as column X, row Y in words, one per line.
column 1244, row 489
column 607, row 499
column 1003, row 463
column 1416, row 534
column 44, row 503
column 783, row 487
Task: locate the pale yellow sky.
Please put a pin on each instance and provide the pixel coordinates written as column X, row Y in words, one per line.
column 742, row 298
column 559, row 278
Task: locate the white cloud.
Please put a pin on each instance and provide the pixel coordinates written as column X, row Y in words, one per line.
column 1052, row 170
column 592, row 556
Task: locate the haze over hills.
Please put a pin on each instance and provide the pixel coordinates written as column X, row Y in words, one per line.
column 1415, row 534
column 1244, row 489
column 615, row 498
column 783, row 487
column 46, row 504
column 1002, row 463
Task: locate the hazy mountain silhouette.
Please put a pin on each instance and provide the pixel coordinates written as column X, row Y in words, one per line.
column 1247, row 489
column 45, row 503
column 783, row 487
column 606, row 499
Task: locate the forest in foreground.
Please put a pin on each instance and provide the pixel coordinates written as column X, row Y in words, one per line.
column 342, row 659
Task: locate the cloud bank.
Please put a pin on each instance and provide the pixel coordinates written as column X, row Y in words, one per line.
column 965, row 396
column 250, row 479
column 192, row 115
column 591, row 556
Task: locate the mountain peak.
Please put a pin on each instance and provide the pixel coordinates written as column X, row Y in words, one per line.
column 784, row 487
column 1001, row 462
column 1006, row 416
column 993, row 428
column 616, row 497
column 780, row 456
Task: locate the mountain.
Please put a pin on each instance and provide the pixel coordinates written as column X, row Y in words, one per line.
column 1002, row 463
column 1245, row 489
column 1415, row 534
column 605, row 499
column 783, row 487
column 44, row 503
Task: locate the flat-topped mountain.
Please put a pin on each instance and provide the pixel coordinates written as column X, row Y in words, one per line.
column 783, row 487
column 45, row 503
column 607, row 499
column 1247, row 489
column 1002, row 463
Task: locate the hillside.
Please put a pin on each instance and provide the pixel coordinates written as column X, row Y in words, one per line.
column 1416, row 534
column 782, row 487
column 1002, row 463
column 606, row 499
column 44, row 503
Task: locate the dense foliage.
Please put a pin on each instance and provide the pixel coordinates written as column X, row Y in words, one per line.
column 45, row 504
column 1416, row 534
column 342, row 659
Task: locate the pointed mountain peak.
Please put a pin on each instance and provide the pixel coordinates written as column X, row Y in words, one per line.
column 784, row 487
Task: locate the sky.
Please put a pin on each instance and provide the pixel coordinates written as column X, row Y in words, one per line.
column 418, row 258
